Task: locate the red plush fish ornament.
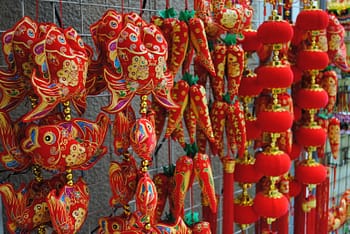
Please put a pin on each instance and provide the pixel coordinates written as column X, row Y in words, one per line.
column 336, row 44
column 11, row 155
column 68, row 207
column 27, row 208
column 121, row 130
column 59, row 74
column 114, row 224
column 103, row 31
column 123, row 181
column 141, row 54
column 143, row 138
column 75, row 144
column 15, row 82
column 146, row 197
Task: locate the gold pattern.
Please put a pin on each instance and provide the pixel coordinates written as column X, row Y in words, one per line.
column 67, row 111
column 37, row 173
column 69, row 177
column 229, row 165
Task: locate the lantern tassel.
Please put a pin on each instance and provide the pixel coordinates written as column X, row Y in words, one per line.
column 299, row 215
column 322, row 196
column 227, row 210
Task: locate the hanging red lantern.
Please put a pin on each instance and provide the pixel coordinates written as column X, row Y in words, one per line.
column 310, row 172
column 312, row 19
column 313, row 135
column 272, row 204
column 311, row 98
column 271, row 76
column 245, row 213
column 249, row 86
column 278, row 120
column 250, row 42
column 312, row 60
column 272, row 163
column 275, row 31
column 245, row 171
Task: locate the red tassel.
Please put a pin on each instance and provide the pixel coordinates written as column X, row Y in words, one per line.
column 299, row 215
column 311, row 215
column 281, row 225
column 322, row 196
column 210, row 217
column 228, row 200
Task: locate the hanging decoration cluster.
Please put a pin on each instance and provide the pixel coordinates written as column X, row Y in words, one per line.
column 255, row 120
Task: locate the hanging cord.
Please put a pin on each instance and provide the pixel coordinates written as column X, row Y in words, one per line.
column 61, row 13
column 122, row 6
column 167, row 4
column 58, row 17
column 37, row 10
column 170, row 158
column 186, row 4
column 143, row 4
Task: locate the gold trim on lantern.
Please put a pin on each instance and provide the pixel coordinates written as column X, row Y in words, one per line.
column 275, row 16
column 276, row 62
column 244, row 199
column 229, row 165
column 273, row 191
column 270, row 220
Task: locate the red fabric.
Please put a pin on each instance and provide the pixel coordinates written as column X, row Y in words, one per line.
column 310, row 136
column 312, row 19
column 143, row 138
column 272, row 164
column 299, row 215
column 275, row 121
column 275, row 32
column 314, row 173
column 249, row 86
column 297, row 74
column 275, row 76
column 211, row 217
column 322, row 198
column 312, row 60
column 297, row 113
column 245, row 214
column 294, row 188
column 267, row 206
column 227, row 208
column 245, row 172
column 281, row 225
column 311, row 220
column 250, row 42
column 311, row 98
column 253, row 129
column 295, row 152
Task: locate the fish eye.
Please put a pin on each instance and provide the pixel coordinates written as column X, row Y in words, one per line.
column 115, row 226
column 61, row 39
column 113, row 24
column 149, row 126
column 49, row 138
